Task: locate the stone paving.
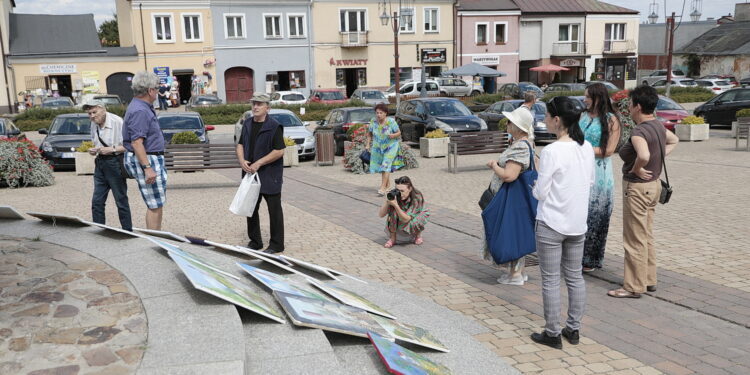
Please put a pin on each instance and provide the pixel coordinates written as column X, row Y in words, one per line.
column 65, row 312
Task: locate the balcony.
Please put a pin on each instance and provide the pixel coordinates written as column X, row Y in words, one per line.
column 568, row 49
column 619, row 46
column 354, row 39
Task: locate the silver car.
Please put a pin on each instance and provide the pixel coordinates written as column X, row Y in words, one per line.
column 661, row 75
column 293, row 127
column 369, row 96
column 458, row 87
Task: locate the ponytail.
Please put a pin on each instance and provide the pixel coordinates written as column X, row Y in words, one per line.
column 575, row 133
column 569, row 112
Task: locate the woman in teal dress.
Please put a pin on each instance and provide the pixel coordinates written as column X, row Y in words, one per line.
column 383, row 136
column 604, row 140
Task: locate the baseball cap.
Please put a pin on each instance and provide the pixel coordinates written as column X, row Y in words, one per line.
column 260, row 97
column 93, row 103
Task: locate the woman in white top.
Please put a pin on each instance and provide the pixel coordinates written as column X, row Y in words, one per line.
column 566, row 172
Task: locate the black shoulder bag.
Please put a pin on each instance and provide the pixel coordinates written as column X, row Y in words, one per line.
column 666, row 188
column 120, row 157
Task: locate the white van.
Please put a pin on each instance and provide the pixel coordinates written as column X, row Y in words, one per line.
column 414, row 88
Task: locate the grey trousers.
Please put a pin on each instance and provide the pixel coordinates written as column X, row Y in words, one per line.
column 558, row 251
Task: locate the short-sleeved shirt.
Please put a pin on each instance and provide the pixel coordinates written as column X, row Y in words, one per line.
column 140, row 122
column 110, row 133
column 656, row 137
column 278, row 139
column 517, row 152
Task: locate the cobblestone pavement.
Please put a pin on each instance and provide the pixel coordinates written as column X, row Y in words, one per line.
column 65, row 312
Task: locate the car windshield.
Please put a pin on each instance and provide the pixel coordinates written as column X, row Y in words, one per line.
column 57, row 103
column 540, row 108
column 361, row 115
column 331, row 95
column 180, row 122
column 293, row 97
column 447, row 108
column 71, row 125
column 665, row 104
column 704, row 83
column 391, row 89
column 207, row 100
column 286, row 120
column 109, row 100
column 527, row 87
column 372, row 95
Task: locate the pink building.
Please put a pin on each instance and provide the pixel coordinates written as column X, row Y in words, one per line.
column 487, row 33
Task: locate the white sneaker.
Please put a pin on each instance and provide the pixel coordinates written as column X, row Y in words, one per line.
column 507, row 280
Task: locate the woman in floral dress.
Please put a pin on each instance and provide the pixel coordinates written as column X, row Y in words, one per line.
column 604, row 139
column 406, row 213
column 383, row 136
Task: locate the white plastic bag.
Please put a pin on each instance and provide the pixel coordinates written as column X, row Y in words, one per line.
column 247, row 196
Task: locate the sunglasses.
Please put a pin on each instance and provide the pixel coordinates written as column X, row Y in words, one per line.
column 552, row 107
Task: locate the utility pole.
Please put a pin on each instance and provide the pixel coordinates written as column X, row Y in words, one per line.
column 397, row 74
column 670, row 22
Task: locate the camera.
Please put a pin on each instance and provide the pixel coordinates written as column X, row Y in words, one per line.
column 393, row 194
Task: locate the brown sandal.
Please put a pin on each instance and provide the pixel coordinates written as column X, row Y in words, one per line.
column 622, row 293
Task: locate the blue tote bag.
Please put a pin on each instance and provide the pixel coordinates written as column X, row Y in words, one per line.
column 509, row 218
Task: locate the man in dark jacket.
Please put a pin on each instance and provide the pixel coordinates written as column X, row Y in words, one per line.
column 260, row 149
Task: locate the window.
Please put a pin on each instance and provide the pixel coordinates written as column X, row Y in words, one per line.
column 431, row 23
column 234, row 25
column 162, row 24
column 352, row 20
column 614, row 31
column 272, row 26
column 296, row 25
column 501, row 32
column 407, row 27
column 192, row 28
column 480, row 37
column 404, row 74
column 568, row 33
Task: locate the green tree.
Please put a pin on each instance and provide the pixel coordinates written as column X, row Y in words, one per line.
column 108, row 34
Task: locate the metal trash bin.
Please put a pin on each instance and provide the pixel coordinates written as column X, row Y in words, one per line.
column 325, row 146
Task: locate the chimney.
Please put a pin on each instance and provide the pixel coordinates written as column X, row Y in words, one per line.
column 742, row 12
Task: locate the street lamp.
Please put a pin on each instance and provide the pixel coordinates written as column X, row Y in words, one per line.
column 404, row 16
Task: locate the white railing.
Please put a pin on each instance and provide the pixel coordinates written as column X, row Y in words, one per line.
column 354, row 38
column 619, row 46
column 568, row 48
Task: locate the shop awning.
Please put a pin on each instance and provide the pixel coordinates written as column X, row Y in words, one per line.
column 548, row 68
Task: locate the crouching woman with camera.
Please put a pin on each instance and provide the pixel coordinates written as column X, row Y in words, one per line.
column 407, row 215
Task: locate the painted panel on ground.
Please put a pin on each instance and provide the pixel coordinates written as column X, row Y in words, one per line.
column 10, row 213
column 283, row 284
column 192, row 257
column 352, row 299
column 402, row 361
column 411, row 334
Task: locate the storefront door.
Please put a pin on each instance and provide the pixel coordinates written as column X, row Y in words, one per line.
column 238, row 84
column 615, row 71
column 63, row 85
column 350, row 79
column 120, row 84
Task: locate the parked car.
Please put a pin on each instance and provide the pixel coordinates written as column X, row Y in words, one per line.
column 288, row 97
column 107, row 99
column 341, row 119
column 745, row 81
column 516, row 90
column 726, row 77
column 458, row 87
column 172, row 123
column 669, row 112
column 57, row 103
column 199, row 101
column 369, row 96
column 415, row 117
column 293, row 127
column 9, row 130
column 494, row 113
column 607, row 84
column 676, row 82
column 722, row 108
column 661, row 75
column 64, row 135
column 716, row 85
column 411, row 88
column 565, row 87
column 327, row 96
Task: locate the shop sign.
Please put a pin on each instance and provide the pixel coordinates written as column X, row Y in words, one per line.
column 90, row 80
column 486, row 59
column 163, row 73
column 570, row 62
column 355, row 62
column 433, row 55
column 57, row 68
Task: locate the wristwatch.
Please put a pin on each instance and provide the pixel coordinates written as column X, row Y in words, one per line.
column 145, row 166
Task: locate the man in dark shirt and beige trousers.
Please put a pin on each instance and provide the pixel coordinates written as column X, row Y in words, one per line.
column 642, row 157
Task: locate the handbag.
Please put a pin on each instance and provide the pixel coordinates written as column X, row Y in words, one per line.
column 486, row 198
column 247, row 196
column 666, row 188
column 365, row 156
column 510, row 216
column 120, row 157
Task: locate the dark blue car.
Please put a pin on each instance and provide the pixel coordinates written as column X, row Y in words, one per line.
column 416, row 117
column 494, row 113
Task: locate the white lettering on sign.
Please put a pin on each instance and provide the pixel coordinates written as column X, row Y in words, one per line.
column 57, row 68
column 486, row 60
column 570, row 62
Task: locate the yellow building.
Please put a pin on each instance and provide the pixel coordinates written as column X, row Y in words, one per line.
column 353, row 49
column 7, row 89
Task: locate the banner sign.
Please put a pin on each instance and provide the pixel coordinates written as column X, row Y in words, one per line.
column 90, row 80
column 57, row 68
column 163, row 73
column 433, row 55
column 486, row 60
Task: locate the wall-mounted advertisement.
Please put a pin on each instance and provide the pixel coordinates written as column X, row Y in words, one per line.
column 90, row 80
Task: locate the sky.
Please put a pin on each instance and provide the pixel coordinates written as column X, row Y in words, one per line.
column 103, row 9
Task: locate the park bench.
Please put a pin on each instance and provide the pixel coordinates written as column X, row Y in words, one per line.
column 473, row 143
column 200, row 156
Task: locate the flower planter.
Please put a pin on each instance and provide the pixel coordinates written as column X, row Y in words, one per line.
column 291, row 157
column 695, row 132
column 433, row 147
column 85, row 163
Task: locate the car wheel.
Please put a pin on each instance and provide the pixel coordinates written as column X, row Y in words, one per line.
column 340, row 148
column 474, row 93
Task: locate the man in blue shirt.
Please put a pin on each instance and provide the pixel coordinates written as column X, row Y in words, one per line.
column 144, row 142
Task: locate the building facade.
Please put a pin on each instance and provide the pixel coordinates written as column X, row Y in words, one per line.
column 652, row 43
column 613, row 45
column 351, row 48
column 262, row 46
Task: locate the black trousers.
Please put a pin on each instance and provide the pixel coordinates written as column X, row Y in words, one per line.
column 276, row 216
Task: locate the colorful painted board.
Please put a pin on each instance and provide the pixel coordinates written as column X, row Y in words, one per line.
column 402, row 361
column 310, row 266
column 409, row 333
column 195, row 258
column 225, row 246
column 228, row 289
column 196, row 240
column 329, row 316
column 59, row 219
column 162, row 234
column 264, row 258
column 283, row 284
column 352, row 299
column 10, row 213
column 113, row 229
column 267, row 255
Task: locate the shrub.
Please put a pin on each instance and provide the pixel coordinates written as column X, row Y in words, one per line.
column 487, row 98
column 38, row 118
column 693, row 120
column 621, row 102
column 502, row 125
column 289, row 142
column 22, row 165
column 85, row 146
column 548, row 96
column 437, row 133
column 355, row 128
column 687, row 94
column 743, row 112
column 185, row 138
